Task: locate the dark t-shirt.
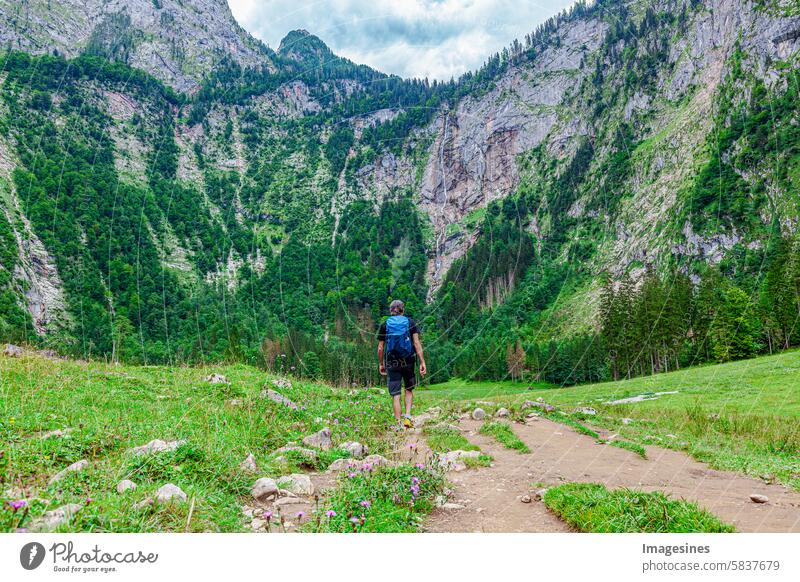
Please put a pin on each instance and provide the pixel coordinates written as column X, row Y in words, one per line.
column 400, row 362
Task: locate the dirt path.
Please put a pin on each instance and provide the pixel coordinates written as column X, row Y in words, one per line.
column 491, row 495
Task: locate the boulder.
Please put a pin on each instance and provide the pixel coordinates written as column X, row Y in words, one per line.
column 538, row 403
column 758, row 498
column 309, row 456
column 249, row 464
column 422, row 419
column 356, row 449
column 278, row 397
column 319, row 440
column 478, row 414
column 342, row 464
column 125, row 485
column 502, row 412
column 217, row 379
column 73, row 468
column 588, row 410
column 264, row 489
column 156, row 446
column 12, row 351
column 434, row 411
column 169, row 493
column 55, row 518
column 296, row 483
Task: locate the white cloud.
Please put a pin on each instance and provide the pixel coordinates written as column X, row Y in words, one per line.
column 411, row 38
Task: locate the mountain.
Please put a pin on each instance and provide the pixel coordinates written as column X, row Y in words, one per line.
column 178, row 42
column 624, row 160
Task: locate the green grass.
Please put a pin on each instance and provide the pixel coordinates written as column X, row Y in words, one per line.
column 389, row 499
column 479, row 461
column 110, row 409
column 740, row 416
column 460, row 389
column 443, row 440
column 628, row 446
column 503, row 434
column 590, row 507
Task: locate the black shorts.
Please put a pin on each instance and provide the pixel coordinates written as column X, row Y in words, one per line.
column 400, row 374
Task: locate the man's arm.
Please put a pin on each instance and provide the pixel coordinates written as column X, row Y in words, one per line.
column 420, row 355
column 381, row 362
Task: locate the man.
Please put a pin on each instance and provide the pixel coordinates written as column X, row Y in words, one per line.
column 399, row 337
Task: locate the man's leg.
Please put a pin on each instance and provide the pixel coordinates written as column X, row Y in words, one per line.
column 409, row 401
column 396, row 406
column 395, row 386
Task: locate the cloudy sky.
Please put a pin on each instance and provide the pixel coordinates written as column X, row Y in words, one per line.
column 412, row 38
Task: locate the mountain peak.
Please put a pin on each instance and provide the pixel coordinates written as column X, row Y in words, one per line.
column 301, row 44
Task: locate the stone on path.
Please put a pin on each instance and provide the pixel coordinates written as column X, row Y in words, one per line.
column 170, row 493
column 356, row 449
column 297, row 483
column 376, row 461
column 217, row 379
column 538, row 403
column 502, row 412
column 525, row 499
column 319, row 440
column 539, row 495
column 249, row 463
column 452, row 506
column 758, row 498
column 125, row 485
column 264, row 489
column 12, row 351
column 156, row 446
column 454, row 460
column 278, row 397
column 310, row 456
column 55, row 518
column 478, row 414
column 73, row 468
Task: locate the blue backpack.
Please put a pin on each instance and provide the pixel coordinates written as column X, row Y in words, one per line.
column 398, row 340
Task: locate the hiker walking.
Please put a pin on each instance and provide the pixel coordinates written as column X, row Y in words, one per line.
column 398, row 349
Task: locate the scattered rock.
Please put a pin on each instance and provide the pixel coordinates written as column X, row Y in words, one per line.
column 434, row 411
column 586, row 410
column 170, row 493
column 319, row 440
column 377, row 461
column 422, row 419
column 627, row 421
column 282, row 383
column 279, row 398
column 758, row 498
column 538, row 403
column 12, row 351
column 55, row 433
column 55, row 518
column 454, row 460
column 264, row 489
column 257, row 524
column 309, row 455
column 73, row 468
column 297, row 483
column 356, row 449
column 478, row 414
column 283, row 501
column 125, row 485
column 452, row 506
column 156, row 446
column 285, row 493
column 249, row 464
column 234, row 402
column 502, row 412
column 217, row 379
column 671, row 436
column 539, row 495
column 525, row 499
column 341, row 465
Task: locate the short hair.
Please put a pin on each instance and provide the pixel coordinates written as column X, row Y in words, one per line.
column 397, row 307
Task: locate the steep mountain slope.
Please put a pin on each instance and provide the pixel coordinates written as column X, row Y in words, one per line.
column 295, row 190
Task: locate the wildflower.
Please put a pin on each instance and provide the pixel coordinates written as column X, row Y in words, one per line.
column 412, row 446
column 365, row 504
column 354, row 520
column 88, row 500
column 301, row 514
column 414, row 481
column 18, row 504
column 420, row 466
column 352, row 475
column 267, row 515
column 330, row 513
column 414, row 490
column 367, row 467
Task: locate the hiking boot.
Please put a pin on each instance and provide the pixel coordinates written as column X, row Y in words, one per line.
column 407, row 422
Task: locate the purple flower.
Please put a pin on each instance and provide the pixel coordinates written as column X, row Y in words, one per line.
column 414, row 490
column 414, row 481
column 420, row 466
column 352, row 475
column 330, row 513
column 18, row 504
column 301, row 514
column 367, row 467
column 412, row 446
column 267, row 515
column 354, row 520
column 365, row 504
